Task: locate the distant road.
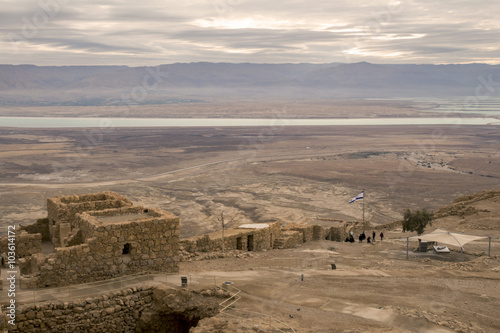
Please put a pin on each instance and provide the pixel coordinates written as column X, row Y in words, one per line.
column 116, row 182
column 157, row 176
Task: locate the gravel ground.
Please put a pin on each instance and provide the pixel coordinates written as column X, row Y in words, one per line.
column 373, row 289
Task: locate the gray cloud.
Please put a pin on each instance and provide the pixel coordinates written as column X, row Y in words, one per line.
column 64, row 32
column 83, row 45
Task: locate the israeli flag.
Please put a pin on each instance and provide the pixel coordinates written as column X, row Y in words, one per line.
column 358, row 197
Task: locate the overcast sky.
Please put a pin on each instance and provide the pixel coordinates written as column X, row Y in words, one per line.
column 152, row 32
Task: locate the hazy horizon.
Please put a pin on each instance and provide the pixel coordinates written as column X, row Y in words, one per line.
column 254, row 63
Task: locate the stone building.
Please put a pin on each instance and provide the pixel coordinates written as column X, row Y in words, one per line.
column 333, row 230
column 246, row 237
column 103, row 235
column 96, row 237
column 265, row 236
column 62, row 211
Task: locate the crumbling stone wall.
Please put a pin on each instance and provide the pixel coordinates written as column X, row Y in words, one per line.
column 262, row 238
column 65, row 208
column 26, row 244
column 200, row 244
column 235, row 239
column 4, row 326
column 307, row 232
column 266, row 238
column 41, row 226
column 29, row 265
column 290, row 236
column 318, row 232
column 339, row 233
column 147, row 244
column 62, row 210
column 289, row 239
column 137, row 309
column 115, row 312
column 177, row 311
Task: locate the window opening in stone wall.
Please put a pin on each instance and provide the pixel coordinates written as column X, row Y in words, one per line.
column 239, row 243
column 126, row 248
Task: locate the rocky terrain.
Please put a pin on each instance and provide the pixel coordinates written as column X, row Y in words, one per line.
column 290, row 174
column 370, row 288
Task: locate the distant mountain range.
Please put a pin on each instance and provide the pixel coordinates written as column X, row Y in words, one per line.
column 184, row 82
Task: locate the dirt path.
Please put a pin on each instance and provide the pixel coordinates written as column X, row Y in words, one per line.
column 374, row 288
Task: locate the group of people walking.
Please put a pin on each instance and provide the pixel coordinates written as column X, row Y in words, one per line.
column 362, row 237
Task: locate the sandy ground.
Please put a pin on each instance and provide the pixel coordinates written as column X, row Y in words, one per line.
column 373, row 289
column 289, row 174
column 295, row 175
column 251, row 108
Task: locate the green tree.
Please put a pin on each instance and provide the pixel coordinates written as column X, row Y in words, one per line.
column 417, row 220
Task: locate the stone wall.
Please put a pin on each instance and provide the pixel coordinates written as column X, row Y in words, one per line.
column 41, row 226
column 307, row 232
column 200, row 244
column 116, row 312
column 290, row 236
column 337, row 234
column 318, row 232
column 289, row 239
column 135, row 309
column 26, row 244
column 177, row 311
column 245, row 239
column 263, row 239
column 266, row 238
column 62, row 210
column 148, row 244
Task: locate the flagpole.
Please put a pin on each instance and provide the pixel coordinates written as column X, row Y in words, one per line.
column 363, row 210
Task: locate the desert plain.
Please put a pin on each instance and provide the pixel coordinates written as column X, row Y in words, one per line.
column 293, row 174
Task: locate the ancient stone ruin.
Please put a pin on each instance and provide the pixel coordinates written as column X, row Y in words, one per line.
column 96, row 237
column 137, row 309
column 265, row 236
column 103, row 235
column 62, row 212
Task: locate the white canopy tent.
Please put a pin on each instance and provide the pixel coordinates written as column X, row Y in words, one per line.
column 448, row 238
